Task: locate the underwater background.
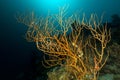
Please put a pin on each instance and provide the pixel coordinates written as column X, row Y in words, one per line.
column 17, row 55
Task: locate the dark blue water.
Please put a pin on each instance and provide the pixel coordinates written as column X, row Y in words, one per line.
column 15, row 51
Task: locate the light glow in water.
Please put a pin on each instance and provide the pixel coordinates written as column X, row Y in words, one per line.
column 53, row 5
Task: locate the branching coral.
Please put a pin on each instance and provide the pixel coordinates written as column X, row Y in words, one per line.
column 65, row 43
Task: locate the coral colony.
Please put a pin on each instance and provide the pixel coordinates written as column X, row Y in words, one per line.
column 74, row 47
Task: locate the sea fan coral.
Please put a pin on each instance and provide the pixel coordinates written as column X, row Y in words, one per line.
column 65, row 43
